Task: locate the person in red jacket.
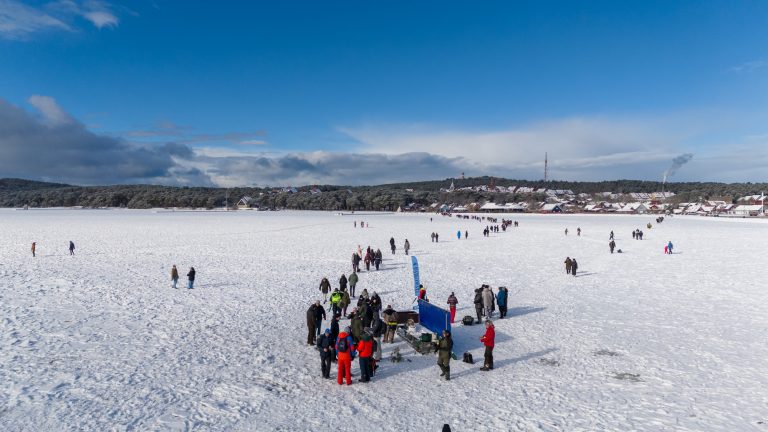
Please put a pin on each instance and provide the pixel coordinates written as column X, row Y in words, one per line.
column 365, row 349
column 452, row 302
column 345, row 349
column 487, row 340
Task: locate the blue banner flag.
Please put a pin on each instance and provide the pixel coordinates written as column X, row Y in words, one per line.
column 416, row 282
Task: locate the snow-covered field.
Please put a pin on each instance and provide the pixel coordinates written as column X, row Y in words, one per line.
column 638, row 341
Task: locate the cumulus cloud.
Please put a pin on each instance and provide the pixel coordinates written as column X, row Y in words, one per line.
column 19, row 21
column 53, row 146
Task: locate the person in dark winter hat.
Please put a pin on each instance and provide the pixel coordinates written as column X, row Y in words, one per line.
column 325, row 345
column 319, row 316
column 452, row 302
column 191, row 277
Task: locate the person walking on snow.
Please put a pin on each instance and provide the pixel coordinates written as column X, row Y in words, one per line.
column 325, row 288
column 392, row 244
column 568, row 265
column 352, row 283
column 466, row 235
column 174, row 276
column 488, row 340
column 452, row 302
column 345, row 352
column 578, row 231
column 71, row 248
column 365, row 351
column 345, row 302
column 335, row 300
column 343, row 282
column 574, row 266
column 444, row 349
column 612, row 245
column 458, row 234
column 191, row 278
column 437, row 238
column 407, row 246
column 501, row 300
column 377, row 258
column 669, row 247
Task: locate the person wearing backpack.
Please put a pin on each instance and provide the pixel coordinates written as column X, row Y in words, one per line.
column 325, row 346
column 345, row 352
column 444, row 349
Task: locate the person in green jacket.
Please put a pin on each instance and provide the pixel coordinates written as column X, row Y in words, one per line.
column 344, row 302
column 357, row 325
column 444, row 349
column 352, row 283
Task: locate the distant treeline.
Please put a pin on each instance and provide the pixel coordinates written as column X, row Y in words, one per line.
column 20, row 193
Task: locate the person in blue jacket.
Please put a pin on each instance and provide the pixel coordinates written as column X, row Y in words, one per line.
column 458, row 234
column 501, row 300
column 669, row 246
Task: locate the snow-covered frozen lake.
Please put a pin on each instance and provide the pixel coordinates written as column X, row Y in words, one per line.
column 638, row 341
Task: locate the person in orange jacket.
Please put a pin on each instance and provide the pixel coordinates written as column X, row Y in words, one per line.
column 345, row 352
column 487, row 339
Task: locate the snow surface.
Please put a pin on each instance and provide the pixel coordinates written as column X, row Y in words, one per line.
column 638, row 341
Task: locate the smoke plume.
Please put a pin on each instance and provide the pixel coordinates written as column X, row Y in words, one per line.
column 676, row 164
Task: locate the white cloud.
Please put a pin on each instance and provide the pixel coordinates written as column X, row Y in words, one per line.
column 18, row 21
column 749, row 66
column 101, row 19
column 50, row 110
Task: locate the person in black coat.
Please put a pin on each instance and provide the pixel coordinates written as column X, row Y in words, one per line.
column 343, row 282
column 311, row 324
column 479, row 303
column 319, row 316
column 325, row 345
column 574, row 266
column 334, row 334
column 191, row 277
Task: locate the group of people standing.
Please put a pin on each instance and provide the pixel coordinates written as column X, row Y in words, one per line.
column 571, row 266
column 637, row 234
column 175, row 277
column 371, row 257
column 485, row 302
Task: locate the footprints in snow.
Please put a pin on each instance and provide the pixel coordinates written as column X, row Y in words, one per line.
column 622, row 376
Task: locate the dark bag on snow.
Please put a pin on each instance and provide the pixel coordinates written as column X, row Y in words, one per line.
column 468, row 358
column 468, row 320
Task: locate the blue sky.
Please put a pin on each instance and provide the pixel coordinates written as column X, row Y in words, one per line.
column 257, row 93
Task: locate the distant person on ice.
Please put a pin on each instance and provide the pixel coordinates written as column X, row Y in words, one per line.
column 612, row 245
column 566, row 231
column 578, row 231
column 669, row 246
column 407, row 246
column 191, row 278
column 71, row 248
column 452, row 302
column 377, row 258
column 325, row 288
column 174, row 276
column 458, row 234
column 488, row 340
column 501, row 300
column 444, row 348
column 466, row 235
column 568, row 265
column 574, row 266
column 392, row 244
column 33, row 249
